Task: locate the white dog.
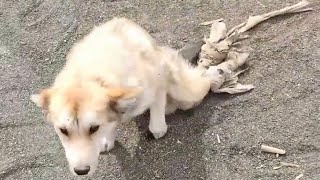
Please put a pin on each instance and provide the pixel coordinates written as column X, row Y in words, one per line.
column 117, row 72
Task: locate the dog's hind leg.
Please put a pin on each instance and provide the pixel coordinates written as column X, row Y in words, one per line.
column 195, row 92
column 171, row 105
column 188, row 85
column 189, row 90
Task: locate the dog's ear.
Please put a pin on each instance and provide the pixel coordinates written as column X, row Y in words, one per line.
column 42, row 99
column 123, row 98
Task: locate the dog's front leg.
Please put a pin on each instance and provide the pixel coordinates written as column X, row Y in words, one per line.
column 110, row 134
column 157, row 124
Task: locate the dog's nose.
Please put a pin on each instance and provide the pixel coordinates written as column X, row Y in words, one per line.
column 82, row 170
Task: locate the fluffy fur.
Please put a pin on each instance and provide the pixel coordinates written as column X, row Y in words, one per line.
column 114, row 73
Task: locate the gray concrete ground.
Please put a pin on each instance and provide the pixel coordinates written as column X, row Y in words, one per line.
column 283, row 110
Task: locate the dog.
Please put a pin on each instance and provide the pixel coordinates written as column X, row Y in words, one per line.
column 117, row 72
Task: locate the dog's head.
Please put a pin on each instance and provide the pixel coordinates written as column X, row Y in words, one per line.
column 83, row 118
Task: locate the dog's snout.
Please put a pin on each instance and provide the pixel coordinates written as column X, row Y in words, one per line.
column 82, row 170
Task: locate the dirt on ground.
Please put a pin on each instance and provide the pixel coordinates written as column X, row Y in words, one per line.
column 283, row 111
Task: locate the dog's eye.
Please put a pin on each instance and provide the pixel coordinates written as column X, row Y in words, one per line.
column 93, row 129
column 64, row 131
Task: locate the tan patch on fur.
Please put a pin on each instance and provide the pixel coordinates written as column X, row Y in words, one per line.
column 74, row 98
column 93, row 97
column 119, row 93
column 43, row 98
column 76, row 101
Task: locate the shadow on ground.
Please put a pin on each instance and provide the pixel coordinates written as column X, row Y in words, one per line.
column 179, row 154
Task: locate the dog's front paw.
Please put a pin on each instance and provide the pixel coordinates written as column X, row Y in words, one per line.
column 107, row 145
column 158, row 131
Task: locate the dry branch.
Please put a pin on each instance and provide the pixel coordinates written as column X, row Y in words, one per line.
column 220, row 51
column 254, row 20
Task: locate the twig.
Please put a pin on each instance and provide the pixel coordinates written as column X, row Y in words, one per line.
column 277, row 167
column 284, row 164
column 289, row 164
column 298, row 177
column 260, row 3
column 218, row 138
column 272, row 149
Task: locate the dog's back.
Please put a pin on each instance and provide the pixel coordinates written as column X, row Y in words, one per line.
column 113, row 52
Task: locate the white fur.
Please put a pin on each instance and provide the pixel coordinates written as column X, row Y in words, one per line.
column 121, row 54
